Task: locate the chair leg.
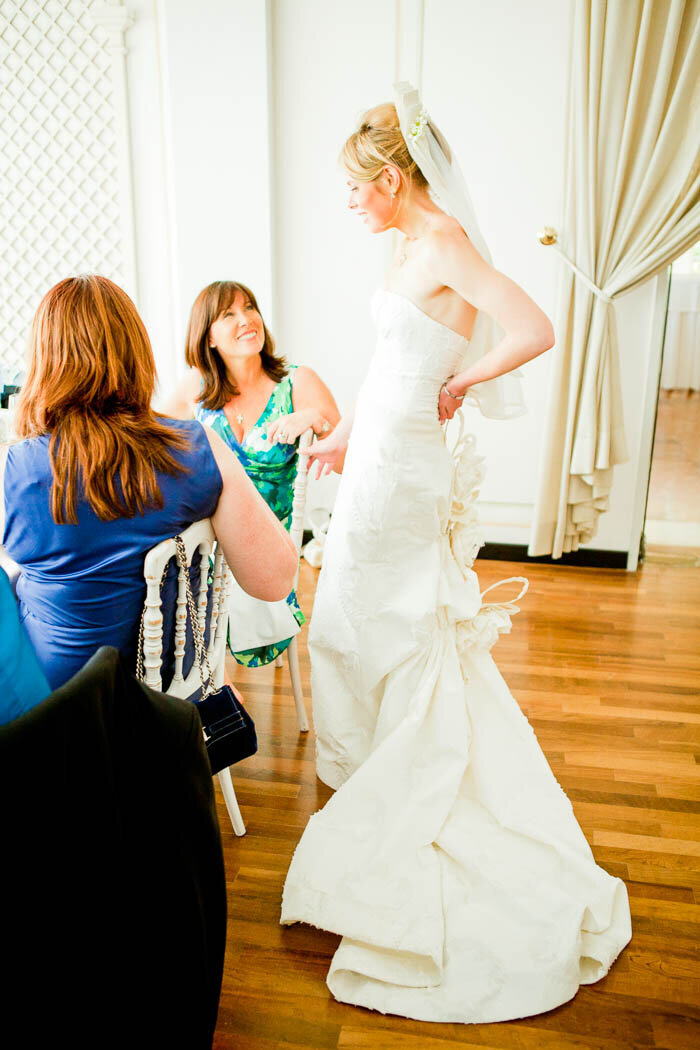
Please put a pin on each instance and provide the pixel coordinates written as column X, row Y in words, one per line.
column 295, row 675
column 231, row 801
column 279, row 662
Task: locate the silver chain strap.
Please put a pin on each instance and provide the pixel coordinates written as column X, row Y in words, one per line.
column 201, row 651
column 197, row 631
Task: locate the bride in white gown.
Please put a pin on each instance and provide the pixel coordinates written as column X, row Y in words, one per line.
column 449, row 858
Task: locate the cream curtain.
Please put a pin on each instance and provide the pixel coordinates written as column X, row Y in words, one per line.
column 632, row 205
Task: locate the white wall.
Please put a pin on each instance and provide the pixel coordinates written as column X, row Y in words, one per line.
column 503, row 112
column 199, row 108
column 497, row 74
column 152, row 179
column 327, row 71
column 494, row 76
column 239, row 110
column 216, row 55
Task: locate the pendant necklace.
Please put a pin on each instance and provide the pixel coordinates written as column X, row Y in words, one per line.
column 239, row 418
column 403, row 255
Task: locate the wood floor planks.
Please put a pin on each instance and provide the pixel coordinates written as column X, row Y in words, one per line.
column 606, row 665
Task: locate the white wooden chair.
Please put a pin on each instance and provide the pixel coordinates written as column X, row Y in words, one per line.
column 297, row 532
column 199, row 536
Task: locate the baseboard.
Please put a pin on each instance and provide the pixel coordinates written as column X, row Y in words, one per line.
column 589, row 556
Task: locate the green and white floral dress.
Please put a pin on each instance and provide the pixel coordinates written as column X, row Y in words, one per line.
column 272, row 468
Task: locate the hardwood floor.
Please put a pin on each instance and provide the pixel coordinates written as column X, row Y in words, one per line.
column 606, row 665
column 672, row 526
column 674, row 492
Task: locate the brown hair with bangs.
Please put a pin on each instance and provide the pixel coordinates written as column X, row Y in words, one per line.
column 90, row 383
column 218, row 385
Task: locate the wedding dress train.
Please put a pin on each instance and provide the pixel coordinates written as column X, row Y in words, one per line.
column 449, row 859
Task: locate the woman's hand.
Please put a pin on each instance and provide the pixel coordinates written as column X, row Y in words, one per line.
column 310, row 393
column 328, row 453
column 286, row 429
column 447, row 406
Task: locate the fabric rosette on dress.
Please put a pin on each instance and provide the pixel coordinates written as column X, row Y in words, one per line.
column 481, row 631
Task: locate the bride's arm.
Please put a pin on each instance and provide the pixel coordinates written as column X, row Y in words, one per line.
column 455, row 262
column 329, row 454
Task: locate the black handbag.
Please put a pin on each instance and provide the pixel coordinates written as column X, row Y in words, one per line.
column 229, row 731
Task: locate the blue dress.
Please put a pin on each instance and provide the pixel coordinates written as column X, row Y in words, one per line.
column 273, row 469
column 22, row 682
column 82, row 585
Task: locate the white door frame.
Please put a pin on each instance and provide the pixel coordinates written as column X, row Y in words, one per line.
column 651, row 398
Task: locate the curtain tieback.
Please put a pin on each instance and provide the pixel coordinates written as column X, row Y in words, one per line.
column 548, row 236
column 586, row 280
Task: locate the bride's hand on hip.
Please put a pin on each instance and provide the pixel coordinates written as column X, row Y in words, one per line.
column 447, row 405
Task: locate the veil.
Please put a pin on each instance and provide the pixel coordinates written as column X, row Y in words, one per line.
column 499, row 398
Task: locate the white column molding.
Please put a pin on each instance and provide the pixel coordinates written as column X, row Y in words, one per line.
column 273, row 139
column 115, row 19
column 410, row 22
column 408, row 65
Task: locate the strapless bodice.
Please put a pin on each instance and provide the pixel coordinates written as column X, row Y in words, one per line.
column 411, row 343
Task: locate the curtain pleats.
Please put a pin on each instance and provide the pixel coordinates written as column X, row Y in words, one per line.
column 632, row 206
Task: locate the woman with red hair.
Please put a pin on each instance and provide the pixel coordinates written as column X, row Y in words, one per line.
column 100, row 478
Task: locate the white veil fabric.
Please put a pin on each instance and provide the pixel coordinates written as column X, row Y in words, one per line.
column 500, row 398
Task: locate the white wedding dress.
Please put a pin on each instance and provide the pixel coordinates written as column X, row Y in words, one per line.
column 449, row 858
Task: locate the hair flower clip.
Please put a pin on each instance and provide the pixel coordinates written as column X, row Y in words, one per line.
column 416, row 129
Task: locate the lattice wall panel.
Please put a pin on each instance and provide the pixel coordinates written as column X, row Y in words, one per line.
column 59, row 204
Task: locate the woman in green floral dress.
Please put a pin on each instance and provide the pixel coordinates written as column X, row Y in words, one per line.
column 260, row 406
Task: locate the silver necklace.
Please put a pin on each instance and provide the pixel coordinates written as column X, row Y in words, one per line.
column 403, row 254
column 239, row 414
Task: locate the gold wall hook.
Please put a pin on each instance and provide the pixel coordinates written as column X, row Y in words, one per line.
column 547, row 235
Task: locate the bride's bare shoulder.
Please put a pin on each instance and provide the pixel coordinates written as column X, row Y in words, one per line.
column 446, row 240
column 444, row 225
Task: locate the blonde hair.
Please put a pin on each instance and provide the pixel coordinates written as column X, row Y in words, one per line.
column 377, row 142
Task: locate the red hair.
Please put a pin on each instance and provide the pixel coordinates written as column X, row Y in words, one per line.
column 90, row 383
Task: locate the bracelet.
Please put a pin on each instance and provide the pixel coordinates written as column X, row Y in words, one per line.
column 324, row 429
column 455, row 397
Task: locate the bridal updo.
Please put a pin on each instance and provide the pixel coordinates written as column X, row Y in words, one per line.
column 377, row 142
